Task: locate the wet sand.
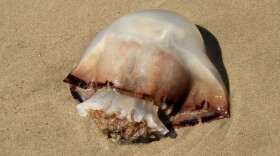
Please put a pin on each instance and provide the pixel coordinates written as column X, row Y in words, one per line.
column 40, row 42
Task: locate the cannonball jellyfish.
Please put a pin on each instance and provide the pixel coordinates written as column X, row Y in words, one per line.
column 145, row 73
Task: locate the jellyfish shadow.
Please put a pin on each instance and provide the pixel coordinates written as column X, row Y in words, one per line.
column 214, row 53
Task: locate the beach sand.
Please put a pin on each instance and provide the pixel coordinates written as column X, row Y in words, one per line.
column 40, row 42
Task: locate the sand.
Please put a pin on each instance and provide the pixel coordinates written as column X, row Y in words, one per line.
column 40, row 42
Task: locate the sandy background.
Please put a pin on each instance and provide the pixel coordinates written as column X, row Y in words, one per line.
column 40, row 42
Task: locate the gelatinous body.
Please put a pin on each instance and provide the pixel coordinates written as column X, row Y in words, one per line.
column 142, row 62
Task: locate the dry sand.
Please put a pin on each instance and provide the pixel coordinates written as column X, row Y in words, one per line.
column 41, row 41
